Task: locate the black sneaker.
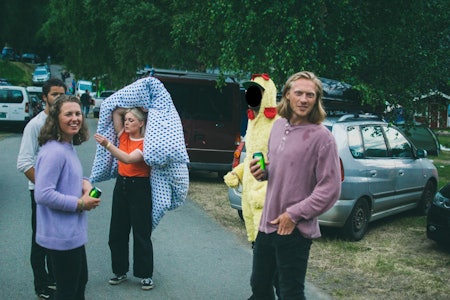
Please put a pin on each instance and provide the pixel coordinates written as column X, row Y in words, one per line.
column 118, row 279
column 147, row 283
column 45, row 294
column 52, row 286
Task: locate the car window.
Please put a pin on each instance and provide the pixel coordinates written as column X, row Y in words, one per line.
column 400, row 147
column 85, row 87
column 11, row 96
column 374, row 143
column 355, row 141
column 214, row 104
column 201, row 102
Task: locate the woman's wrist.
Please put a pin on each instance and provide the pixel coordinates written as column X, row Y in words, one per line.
column 80, row 205
column 108, row 145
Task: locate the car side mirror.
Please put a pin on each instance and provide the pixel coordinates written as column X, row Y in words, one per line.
column 422, row 153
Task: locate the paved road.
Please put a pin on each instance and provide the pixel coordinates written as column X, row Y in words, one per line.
column 195, row 258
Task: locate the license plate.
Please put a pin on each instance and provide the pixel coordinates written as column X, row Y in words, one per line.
column 3, row 115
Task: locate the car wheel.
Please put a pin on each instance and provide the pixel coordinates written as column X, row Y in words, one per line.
column 96, row 114
column 240, row 214
column 356, row 226
column 427, row 198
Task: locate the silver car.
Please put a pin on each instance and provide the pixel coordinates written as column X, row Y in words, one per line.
column 98, row 101
column 40, row 75
column 383, row 174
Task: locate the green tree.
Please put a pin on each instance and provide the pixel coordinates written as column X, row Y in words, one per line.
column 19, row 22
column 390, row 50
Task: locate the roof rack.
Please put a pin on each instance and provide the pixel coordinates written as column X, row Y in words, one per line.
column 359, row 117
column 191, row 74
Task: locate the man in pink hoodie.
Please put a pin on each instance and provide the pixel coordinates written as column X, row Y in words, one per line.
column 304, row 181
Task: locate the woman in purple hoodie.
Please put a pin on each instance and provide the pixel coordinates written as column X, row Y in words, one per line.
column 62, row 196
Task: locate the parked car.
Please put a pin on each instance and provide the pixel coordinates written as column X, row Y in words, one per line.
column 40, row 75
column 9, row 54
column 4, row 81
column 98, row 101
column 383, row 173
column 30, row 58
column 36, row 105
column 35, row 93
column 210, row 115
column 438, row 218
column 35, row 90
column 15, row 107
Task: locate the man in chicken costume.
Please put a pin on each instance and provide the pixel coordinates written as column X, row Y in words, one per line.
column 260, row 95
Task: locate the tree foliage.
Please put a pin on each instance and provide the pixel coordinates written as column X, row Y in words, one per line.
column 390, row 50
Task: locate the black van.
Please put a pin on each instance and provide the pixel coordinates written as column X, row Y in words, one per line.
column 210, row 115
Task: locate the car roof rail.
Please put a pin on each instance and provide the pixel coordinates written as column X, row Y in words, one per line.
column 359, row 117
column 192, row 75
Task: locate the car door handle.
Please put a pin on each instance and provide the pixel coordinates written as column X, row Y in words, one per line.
column 220, row 125
column 373, row 173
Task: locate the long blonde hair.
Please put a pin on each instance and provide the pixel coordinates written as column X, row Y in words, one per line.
column 318, row 113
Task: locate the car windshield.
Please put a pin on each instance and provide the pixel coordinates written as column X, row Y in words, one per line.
column 40, row 72
column 84, row 87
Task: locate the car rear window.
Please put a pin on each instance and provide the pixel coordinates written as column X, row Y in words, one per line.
column 11, row 96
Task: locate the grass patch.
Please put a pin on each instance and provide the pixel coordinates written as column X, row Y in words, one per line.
column 16, row 72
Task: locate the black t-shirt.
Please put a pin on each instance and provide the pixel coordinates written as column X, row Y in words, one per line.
column 85, row 99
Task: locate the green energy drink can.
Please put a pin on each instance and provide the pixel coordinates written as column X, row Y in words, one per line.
column 261, row 162
column 95, row 192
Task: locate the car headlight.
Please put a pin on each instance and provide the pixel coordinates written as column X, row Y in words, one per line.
column 441, row 201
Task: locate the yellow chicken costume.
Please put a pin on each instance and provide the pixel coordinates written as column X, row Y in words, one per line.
column 261, row 94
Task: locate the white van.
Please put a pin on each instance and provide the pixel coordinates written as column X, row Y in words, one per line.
column 15, row 108
column 35, row 91
column 82, row 86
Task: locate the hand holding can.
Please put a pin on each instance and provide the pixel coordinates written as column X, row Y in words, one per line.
column 261, row 162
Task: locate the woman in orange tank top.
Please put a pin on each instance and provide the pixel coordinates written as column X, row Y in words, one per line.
column 132, row 204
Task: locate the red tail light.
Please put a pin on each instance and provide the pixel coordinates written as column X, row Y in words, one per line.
column 342, row 169
column 27, row 107
column 237, row 154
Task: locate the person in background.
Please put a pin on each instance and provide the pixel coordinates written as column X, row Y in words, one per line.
column 132, row 202
column 74, row 85
column 86, row 102
column 304, row 181
column 44, row 282
column 62, row 197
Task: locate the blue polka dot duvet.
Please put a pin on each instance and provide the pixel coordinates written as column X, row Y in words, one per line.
column 164, row 145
